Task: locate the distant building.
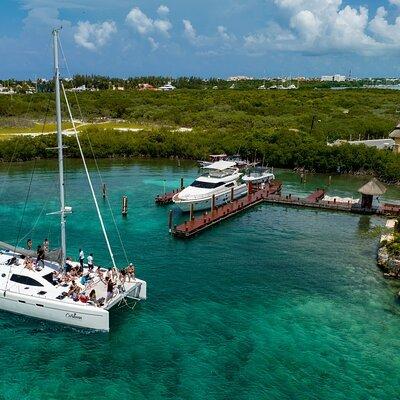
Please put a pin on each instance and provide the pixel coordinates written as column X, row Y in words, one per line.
column 239, row 78
column 381, row 144
column 146, row 86
column 78, row 89
column 333, row 78
column 6, row 90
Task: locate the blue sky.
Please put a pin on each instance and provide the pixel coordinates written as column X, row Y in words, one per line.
column 203, row 38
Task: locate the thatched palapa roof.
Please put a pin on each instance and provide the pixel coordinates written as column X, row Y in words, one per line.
column 373, row 188
column 396, row 132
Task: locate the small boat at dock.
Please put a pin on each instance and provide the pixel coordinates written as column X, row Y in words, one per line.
column 259, row 175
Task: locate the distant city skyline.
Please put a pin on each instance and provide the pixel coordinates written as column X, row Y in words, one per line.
column 202, row 38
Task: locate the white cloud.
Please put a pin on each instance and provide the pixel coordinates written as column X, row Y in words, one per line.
column 224, row 34
column 326, row 26
column 154, row 45
column 140, row 21
column 189, row 31
column 93, row 36
column 145, row 25
column 163, row 10
column 219, row 41
column 379, row 26
column 163, row 25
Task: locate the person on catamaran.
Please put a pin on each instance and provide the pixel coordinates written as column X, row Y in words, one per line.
column 68, row 265
column 110, row 288
column 40, row 256
column 29, row 244
column 81, row 258
column 28, row 263
column 46, row 245
column 90, row 262
column 130, row 272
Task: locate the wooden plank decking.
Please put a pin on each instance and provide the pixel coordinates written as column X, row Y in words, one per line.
column 271, row 194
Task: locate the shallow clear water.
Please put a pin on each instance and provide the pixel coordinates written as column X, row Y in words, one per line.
column 277, row 303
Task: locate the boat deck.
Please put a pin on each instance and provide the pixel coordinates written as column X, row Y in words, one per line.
column 44, row 289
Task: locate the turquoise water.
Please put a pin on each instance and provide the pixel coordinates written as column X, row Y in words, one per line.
column 277, row 303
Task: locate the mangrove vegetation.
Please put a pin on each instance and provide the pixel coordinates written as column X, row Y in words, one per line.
column 288, row 128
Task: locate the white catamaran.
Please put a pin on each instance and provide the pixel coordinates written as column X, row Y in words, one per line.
column 43, row 289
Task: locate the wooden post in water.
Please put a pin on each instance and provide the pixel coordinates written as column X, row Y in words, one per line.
column 124, row 206
column 191, row 215
column 104, row 190
column 213, row 203
column 232, row 195
column 170, row 221
column 182, row 187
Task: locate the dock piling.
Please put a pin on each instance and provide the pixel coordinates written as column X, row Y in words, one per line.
column 170, row 221
column 124, row 206
column 104, row 190
column 182, row 187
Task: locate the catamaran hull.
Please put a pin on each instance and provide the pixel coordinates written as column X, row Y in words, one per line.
column 205, row 204
column 90, row 317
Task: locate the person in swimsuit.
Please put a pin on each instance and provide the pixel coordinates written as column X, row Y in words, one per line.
column 110, row 288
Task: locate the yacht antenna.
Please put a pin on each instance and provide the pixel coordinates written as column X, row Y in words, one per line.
column 59, row 146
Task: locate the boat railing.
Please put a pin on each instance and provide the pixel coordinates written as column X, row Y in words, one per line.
column 220, row 192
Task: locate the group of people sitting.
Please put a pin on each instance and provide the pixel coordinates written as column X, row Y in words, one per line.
column 74, row 273
column 78, row 279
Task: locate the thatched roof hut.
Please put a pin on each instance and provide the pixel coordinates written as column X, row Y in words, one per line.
column 373, row 188
column 396, row 133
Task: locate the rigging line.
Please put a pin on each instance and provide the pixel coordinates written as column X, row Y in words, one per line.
column 26, row 202
column 70, row 76
column 95, row 159
column 108, row 201
column 30, row 185
column 36, row 222
column 89, row 179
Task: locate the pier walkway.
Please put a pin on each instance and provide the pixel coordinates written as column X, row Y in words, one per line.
column 196, row 225
column 272, row 194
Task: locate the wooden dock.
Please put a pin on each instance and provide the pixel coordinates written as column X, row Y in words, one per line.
column 166, row 198
column 196, row 225
column 272, row 194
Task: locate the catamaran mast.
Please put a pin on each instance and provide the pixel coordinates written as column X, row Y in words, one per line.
column 59, row 146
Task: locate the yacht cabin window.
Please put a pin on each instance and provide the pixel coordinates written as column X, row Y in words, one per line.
column 24, row 280
column 206, row 185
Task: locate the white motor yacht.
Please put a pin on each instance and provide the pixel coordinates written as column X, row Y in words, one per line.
column 259, row 175
column 43, row 289
column 221, row 179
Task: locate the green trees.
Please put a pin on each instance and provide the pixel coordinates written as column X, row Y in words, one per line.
column 274, row 125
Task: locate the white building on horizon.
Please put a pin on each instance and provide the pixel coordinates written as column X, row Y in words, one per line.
column 333, row 78
column 240, row 78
